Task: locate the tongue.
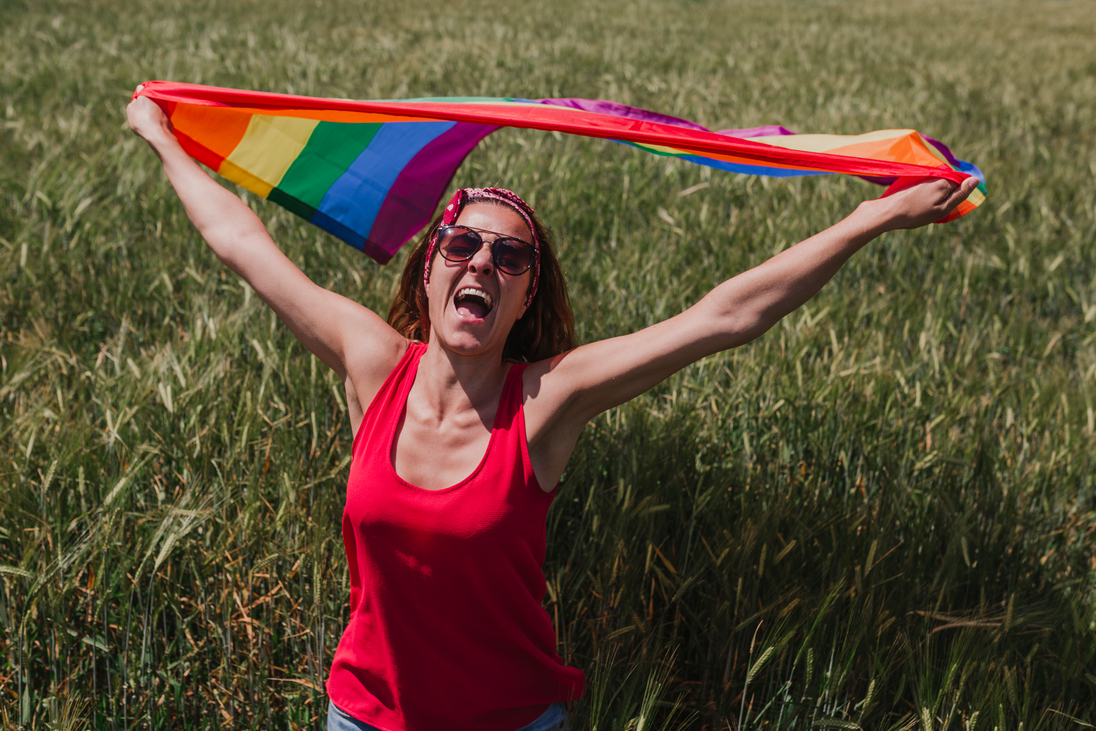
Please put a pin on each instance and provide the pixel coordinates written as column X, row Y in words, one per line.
column 472, row 308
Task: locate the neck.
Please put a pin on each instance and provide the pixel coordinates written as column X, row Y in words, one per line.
column 453, row 382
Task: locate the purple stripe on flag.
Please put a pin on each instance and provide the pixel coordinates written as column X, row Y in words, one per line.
column 769, row 130
column 961, row 165
column 415, row 193
column 619, row 110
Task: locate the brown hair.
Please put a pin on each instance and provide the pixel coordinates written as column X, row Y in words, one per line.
column 546, row 329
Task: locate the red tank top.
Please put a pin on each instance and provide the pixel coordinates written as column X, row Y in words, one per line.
column 446, row 628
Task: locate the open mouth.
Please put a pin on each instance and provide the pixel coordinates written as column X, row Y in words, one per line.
column 474, row 302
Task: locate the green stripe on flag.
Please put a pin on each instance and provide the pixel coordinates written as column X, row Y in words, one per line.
column 331, row 149
column 291, row 204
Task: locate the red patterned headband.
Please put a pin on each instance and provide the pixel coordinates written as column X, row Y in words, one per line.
column 461, row 198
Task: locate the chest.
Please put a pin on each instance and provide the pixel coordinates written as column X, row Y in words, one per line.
column 435, row 454
column 423, row 489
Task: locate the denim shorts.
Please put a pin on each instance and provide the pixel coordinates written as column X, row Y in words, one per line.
column 554, row 719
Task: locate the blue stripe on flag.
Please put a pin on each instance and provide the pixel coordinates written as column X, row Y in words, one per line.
column 354, row 199
column 734, row 167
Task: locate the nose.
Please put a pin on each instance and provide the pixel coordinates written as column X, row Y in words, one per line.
column 483, row 261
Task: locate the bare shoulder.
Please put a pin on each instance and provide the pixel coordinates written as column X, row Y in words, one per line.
column 371, row 358
column 547, row 390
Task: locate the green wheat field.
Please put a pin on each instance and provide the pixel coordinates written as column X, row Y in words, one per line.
column 880, row 515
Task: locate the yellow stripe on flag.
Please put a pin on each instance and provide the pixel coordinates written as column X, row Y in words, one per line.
column 233, row 172
column 267, row 149
column 827, row 143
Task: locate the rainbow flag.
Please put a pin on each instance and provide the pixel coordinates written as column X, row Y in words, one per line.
column 372, row 172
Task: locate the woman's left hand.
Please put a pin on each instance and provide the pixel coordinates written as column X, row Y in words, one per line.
column 916, row 202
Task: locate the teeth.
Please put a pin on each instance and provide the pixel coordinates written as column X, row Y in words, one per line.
column 475, row 292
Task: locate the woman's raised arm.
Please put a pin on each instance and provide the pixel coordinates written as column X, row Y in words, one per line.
column 338, row 330
column 569, row 390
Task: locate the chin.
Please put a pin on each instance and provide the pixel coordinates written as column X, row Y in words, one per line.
column 464, row 343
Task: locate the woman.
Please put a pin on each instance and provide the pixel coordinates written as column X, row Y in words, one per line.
column 458, row 448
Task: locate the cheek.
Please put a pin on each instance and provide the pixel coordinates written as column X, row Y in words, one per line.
column 431, row 272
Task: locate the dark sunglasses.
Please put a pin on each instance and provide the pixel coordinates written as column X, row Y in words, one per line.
column 510, row 255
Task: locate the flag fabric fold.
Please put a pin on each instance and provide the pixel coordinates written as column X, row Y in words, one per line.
column 372, row 172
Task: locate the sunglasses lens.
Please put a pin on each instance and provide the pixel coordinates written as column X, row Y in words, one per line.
column 512, row 256
column 459, row 244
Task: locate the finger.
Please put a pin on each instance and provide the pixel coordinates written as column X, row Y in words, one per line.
column 963, row 191
column 960, row 194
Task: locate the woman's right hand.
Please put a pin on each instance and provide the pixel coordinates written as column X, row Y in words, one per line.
column 148, row 121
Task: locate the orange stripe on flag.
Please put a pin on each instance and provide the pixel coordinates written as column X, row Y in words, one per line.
column 219, row 128
column 908, row 149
